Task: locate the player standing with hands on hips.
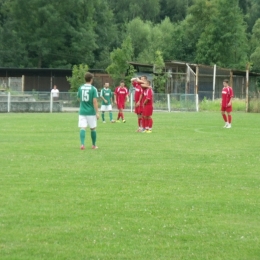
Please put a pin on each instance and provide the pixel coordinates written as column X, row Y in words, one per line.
column 88, row 111
column 226, row 104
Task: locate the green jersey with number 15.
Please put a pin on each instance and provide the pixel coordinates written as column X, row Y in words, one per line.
column 86, row 93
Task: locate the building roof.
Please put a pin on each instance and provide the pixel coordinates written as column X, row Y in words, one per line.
column 181, row 64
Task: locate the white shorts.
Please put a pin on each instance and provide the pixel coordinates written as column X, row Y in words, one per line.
column 106, row 108
column 85, row 121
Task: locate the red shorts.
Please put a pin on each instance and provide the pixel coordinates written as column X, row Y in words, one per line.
column 120, row 106
column 139, row 110
column 147, row 110
column 226, row 109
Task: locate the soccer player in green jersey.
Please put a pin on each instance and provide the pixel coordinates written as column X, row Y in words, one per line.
column 107, row 101
column 88, row 111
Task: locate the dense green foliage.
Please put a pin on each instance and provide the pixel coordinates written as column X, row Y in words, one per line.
column 78, row 77
column 188, row 191
column 60, row 34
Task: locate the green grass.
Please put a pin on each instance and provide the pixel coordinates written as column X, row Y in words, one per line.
column 190, row 190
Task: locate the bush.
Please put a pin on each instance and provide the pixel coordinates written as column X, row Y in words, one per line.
column 209, row 105
column 254, row 105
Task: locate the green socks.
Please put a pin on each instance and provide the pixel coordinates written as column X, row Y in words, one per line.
column 103, row 116
column 110, row 116
column 93, row 136
column 82, row 135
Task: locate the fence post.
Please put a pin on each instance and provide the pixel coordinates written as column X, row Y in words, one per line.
column 197, row 102
column 131, row 102
column 8, row 102
column 247, row 85
column 196, row 88
column 169, row 102
column 214, row 82
column 51, row 102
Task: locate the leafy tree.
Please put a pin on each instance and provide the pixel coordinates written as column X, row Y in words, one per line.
column 127, row 10
column 147, row 38
column 176, row 10
column 160, row 77
column 189, row 31
column 119, row 68
column 224, row 40
column 255, row 45
column 253, row 13
column 107, row 35
column 78, row 76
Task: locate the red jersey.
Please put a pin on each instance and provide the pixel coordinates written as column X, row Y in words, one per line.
column 121, row 94
column 227, row 94
column 138, row 90
column 148, row 95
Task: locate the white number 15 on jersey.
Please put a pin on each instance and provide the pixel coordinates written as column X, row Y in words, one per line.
column 85, row 95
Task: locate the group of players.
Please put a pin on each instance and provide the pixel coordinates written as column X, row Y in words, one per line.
column 143, row 102
column 89, row 112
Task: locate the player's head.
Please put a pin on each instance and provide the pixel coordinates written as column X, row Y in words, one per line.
column 89, row 77
column 225, row 82
column 54, row 86
column 122, row 83
column 106, row 85
column 144, row 78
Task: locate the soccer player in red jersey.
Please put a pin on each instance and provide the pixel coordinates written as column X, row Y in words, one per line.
column 120, row 97
column 226, row 104
column 136, row 82
column 148, row 107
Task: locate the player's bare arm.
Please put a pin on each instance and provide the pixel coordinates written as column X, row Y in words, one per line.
column 104, row 100
column 95, row 103
column 140, row 81
column 229, row 103
column 145, row 85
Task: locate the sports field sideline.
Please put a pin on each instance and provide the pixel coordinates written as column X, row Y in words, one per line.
column 189, row 190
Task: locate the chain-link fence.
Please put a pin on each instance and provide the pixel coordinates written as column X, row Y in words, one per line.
column 35, row 101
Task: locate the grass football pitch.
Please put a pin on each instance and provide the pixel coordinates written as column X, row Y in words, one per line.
column 190, row 190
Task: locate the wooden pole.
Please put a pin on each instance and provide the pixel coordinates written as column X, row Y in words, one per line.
column 22, row 83
column 231, row 79
column 197, row 80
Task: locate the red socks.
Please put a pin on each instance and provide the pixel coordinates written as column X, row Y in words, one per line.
column 229, row 119
column 140, row 122
column 147, row 123
column 150, row 124
column 224, row 117
column 120, row 114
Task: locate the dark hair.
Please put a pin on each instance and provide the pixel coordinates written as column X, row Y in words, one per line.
column 143, row 76
column 122, row 81
column 88, row 77
column 225, row 80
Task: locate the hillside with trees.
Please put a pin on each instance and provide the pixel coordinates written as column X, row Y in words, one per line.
column 62, row 33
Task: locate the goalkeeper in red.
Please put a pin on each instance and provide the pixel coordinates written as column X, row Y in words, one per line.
column 226, row 103
column 88, row 111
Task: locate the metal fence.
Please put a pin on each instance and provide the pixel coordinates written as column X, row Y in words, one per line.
column 67, row 101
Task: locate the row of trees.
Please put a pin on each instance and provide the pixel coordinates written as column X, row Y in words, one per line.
column 107, row 33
